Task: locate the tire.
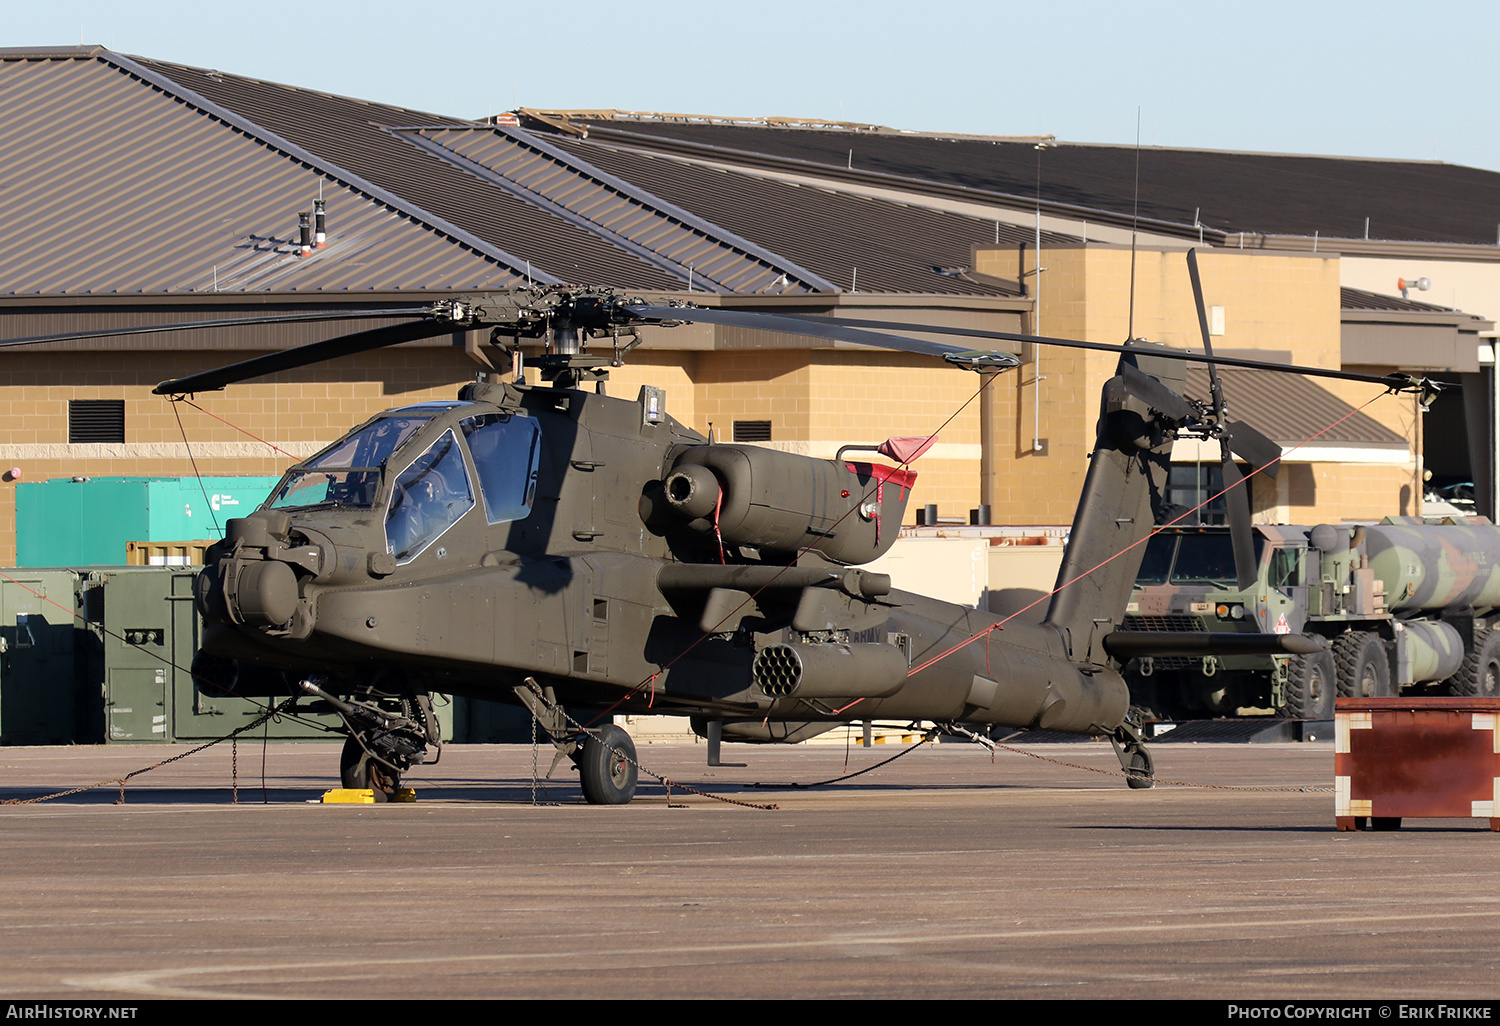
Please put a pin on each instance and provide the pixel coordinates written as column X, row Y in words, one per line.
column 359, row 772
column 1479, row 676
column 1310, row 687
column 1362, row 668
column 606, row 767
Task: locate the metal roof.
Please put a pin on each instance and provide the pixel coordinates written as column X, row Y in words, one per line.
column 592, row 218
column 134, row 176
column 1293, row 410
column 1360, row 299
column 359, row 138
column 574, row 191
column 1226, row 192
column 142, row 192
column 895, row 247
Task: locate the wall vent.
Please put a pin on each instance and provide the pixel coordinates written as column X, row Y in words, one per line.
column 96, row 420
column 752, row 431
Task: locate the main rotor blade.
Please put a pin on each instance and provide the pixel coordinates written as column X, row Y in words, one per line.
column 231, row 322
column 328, row 349
column 816, row 327
column 1394, row 381
column 1215, row 390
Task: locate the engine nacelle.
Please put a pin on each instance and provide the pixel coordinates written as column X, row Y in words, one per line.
column 784, row 503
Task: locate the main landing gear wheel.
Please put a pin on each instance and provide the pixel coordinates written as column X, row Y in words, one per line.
column 606, row 766
column 359, row 772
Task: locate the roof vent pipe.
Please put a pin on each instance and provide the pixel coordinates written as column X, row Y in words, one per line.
column 320, row 225
column 304, row 232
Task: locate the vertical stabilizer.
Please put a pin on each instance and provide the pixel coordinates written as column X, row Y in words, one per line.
column 1125, row 489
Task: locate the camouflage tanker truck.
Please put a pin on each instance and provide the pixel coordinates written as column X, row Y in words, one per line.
column 1399, row 603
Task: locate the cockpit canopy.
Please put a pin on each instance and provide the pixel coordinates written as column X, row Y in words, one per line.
column 434, row 486
column 347, row 473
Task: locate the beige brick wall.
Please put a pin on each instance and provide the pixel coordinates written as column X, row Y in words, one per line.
column 298, row 416
column 816, row 400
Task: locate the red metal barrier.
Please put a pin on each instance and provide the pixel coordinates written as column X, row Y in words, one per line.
column 1400, row 758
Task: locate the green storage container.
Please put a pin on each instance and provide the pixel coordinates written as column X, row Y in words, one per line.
column 105, row 654
column 47, row 695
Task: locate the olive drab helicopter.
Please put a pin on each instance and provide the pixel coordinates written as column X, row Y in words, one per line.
column 582, row 554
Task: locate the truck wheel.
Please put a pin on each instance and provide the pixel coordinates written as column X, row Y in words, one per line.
column 1310, row 686
column 1479, row 676
column 1362, row 668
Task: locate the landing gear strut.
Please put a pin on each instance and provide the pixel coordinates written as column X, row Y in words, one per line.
column 1130, row 749
column 388, row 733
column 605, row 757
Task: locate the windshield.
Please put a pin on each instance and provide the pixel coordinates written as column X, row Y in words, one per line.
column 1205, row 559
column 371, row 445
column 347, row 473
column 1191, row 559
column 1157, row 562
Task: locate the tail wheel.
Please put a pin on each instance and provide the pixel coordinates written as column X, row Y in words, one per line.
column 1363, row 671
column 358, row 771
column 1135, row 760
column 1479, row 676
column 1310, row 686
column 606, row 767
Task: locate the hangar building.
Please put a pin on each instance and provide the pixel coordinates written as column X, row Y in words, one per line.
column 144, row 193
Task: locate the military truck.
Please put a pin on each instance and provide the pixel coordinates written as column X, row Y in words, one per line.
column 1402, row 603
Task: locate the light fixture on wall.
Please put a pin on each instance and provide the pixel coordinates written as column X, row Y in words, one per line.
column 1421, row 284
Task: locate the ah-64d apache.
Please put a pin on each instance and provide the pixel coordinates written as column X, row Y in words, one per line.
column 580, row 553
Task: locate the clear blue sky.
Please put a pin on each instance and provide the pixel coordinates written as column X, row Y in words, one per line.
column 1376, row 79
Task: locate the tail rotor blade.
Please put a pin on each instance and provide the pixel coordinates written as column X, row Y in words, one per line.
column 1155, row 394
column 1192, row 262
column 1237, row 511
column 1232, row 437
column 1253, row 447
